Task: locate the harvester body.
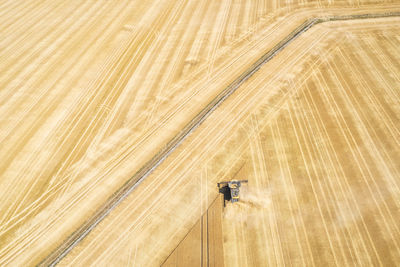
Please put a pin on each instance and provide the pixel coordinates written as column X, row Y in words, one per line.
column 233, row 187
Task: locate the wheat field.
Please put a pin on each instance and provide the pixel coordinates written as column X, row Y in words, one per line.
column 320, row 151
column 91, row 91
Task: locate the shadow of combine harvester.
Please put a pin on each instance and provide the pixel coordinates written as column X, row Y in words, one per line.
column 231, row 190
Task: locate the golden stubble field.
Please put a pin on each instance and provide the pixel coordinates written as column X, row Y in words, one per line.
column 90, row 91
column 316, row 133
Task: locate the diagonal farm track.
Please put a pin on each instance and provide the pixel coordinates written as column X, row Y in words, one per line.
column 134, row 181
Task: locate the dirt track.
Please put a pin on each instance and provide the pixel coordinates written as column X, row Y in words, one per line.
column 219, row 149
column 128, row 187
column 324, row 171
column 71, row 133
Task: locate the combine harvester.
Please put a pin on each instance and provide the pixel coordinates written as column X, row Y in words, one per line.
column 231, row 189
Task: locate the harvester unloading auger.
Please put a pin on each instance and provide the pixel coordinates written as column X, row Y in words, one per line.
column 231, row 189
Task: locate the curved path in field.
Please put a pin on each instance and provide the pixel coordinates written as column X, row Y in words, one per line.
column 134, row 181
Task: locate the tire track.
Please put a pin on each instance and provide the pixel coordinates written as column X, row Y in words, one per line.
column 131, row 184
column 35, row 125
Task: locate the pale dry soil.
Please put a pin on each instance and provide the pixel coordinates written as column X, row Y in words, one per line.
column 316, row 133
column 90, row 91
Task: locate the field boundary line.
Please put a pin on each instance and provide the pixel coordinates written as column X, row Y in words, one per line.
column 117, row 197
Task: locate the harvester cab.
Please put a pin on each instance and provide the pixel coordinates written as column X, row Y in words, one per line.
column 231, row 189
